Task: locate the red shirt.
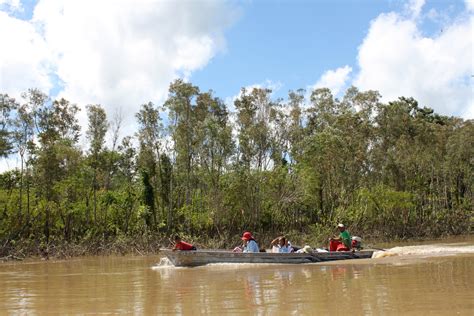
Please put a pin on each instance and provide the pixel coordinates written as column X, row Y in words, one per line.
column 183, row 246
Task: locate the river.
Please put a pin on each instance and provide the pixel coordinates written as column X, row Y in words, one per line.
column 429, row 278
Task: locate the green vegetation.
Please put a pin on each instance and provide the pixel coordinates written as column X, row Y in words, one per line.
column 295, row 166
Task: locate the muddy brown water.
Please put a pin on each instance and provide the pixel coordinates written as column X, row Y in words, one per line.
column 429, row 278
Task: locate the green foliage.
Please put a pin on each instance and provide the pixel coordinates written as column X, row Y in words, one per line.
column 149, row 200
column 294, row 167
column 194, row 220
column 7, row 106
column 381, row 209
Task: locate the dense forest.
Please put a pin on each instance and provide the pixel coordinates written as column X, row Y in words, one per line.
column 295, row 166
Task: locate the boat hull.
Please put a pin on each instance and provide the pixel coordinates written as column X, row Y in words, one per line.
column 203, row 257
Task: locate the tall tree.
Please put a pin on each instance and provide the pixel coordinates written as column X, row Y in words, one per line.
column 58, row 134
column 254, row 110
column 214, row 146
column 181, row 106
column 116, row 126
column 296, row 102
column 127, row 169
column 24, row 134
column 97, row 129
column 150, row 131
column 7, row 105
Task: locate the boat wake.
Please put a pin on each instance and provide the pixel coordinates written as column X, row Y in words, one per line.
column 426, row 250
column 164, row 263
column 232, row 266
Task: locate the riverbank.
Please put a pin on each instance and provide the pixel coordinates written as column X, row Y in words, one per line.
column 135, row 245
column 62, row 250
column 149, row 245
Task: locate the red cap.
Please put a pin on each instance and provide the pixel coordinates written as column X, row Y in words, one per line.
column 247, row 236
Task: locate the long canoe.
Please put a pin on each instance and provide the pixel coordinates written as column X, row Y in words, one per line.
column 203, row 257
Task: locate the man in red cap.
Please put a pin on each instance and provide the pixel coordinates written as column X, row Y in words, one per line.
column 250, row 245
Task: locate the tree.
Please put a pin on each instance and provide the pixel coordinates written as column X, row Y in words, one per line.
column 214, row 147
column 254, row 112
column 296, row 117
column 116, row 126
column 149, row 136
column 253, row 119
column 181, row 106
column 7, row 105
column 97, row 128
column 24, row 134
column 58, row 133
column 127, row 169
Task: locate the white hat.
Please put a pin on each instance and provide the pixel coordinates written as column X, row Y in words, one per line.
column 340, row 225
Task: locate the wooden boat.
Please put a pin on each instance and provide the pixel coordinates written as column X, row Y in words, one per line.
column 203, row 257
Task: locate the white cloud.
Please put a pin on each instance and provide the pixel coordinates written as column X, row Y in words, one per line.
column 335, row 80
column 24, row 57
column 396, row 59
column 116, row 53
column 470, row 5
column 414, row 7
column 11, row 5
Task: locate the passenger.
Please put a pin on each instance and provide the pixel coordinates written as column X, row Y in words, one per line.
column 280, row 245
column 250, row 245
column 181, row 245
column 342, row 242
column 356, row 242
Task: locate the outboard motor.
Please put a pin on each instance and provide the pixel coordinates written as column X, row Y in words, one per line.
column 356, row 242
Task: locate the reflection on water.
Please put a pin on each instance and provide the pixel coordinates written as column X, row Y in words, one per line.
column 417, row 280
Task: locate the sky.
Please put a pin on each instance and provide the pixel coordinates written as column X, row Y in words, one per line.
column 123, row 53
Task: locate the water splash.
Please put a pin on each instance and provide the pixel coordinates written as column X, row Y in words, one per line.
column 164, row 263
column 426, row 250
column 383, row 254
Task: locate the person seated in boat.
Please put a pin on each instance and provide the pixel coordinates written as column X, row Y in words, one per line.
column 250, row 245
column 341, row 242
column 280, row 245
column 356, row 243
column 182, row 245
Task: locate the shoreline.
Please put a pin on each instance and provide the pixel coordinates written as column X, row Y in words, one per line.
column 26, row 251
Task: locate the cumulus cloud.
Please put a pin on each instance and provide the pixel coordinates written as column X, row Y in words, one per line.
column 11, row 5
column 470, row 5
column 335, row 80
column 116, row 53
column 413, row 7
column 398, row 60
column 24, row 57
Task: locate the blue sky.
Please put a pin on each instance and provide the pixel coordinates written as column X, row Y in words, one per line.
column 290, row 42
column 122, row 53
